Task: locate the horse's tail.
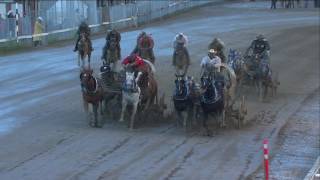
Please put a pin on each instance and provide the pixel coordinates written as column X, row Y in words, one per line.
column 153, row 69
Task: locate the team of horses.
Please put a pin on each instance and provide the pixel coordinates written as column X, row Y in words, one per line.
column 139, row 88
column 135, row 87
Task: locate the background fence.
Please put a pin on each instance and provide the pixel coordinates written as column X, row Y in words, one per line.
column 64, row 16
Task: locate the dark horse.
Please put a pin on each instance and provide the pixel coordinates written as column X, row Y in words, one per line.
column 252, row 70
column 257, row 72
column 84, row 49
column 111, row 54
column 91, row 93
column 212, row 101
column 184, row 100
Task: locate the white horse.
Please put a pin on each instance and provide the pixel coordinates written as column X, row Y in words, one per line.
column 131, row 92
column 130, row 95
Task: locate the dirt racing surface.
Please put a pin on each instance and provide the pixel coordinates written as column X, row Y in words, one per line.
column 44, row 133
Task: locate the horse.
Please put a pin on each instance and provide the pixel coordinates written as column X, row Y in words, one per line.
column 185, row 99
column 242, row 66
column 92, row 93
column 212, row 101
column 236, row 62
column 149, row 90
column 258, row 72
column 130, row 94
column 111, row 83
column 111, row 54
column 181, row 59
column 84, row 49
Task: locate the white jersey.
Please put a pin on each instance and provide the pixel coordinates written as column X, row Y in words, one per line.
column 210, row 65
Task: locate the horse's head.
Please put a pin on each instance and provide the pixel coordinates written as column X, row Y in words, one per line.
column 87, row 79
column 208, row 88
column 264, row 70
column 131, row 80
column 181, row 85
column 113, row 43
column 206, row 81
column 234, row 59
column 85, row 74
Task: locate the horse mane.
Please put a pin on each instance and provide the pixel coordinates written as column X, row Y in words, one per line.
column 153, row 69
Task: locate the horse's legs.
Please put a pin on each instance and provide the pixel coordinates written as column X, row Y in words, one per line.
column 265, row 90
column 204, row 123
column 89, row 59
column 124, row 106
column 190, row 118
column 79, row 56
column 179, row 117
column 134, row 110
column 101, row 106
column 95, row 112
column 260, row 90
column 85, row 106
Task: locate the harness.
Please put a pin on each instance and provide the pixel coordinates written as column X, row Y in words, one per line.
column 213, row 99
column 184, row 96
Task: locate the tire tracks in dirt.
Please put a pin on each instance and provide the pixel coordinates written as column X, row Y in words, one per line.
column 21, row 163
column 101, row 158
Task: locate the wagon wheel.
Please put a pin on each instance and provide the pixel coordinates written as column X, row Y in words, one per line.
column 242, row 112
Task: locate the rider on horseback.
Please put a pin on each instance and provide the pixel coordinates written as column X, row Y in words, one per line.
column 112, row 36
column 180, row 48
column 218, row 45
column 180, row 38
column 210, row 64
column 144, row 41
column 83, row 28
column 260, row 47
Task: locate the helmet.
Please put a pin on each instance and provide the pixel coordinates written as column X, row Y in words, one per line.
column 83, row 23
column 260, row 37
column 113, row 31
column 143, row 33
column 40, row 18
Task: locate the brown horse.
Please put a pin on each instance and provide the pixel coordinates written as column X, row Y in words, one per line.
column 84, row 49
column 92, row 93
column 149, row 90
column 181, row 59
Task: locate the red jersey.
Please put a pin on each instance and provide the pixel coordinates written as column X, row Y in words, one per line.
column 137, row 60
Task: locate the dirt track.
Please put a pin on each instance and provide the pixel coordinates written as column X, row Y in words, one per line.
column 44, row 133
